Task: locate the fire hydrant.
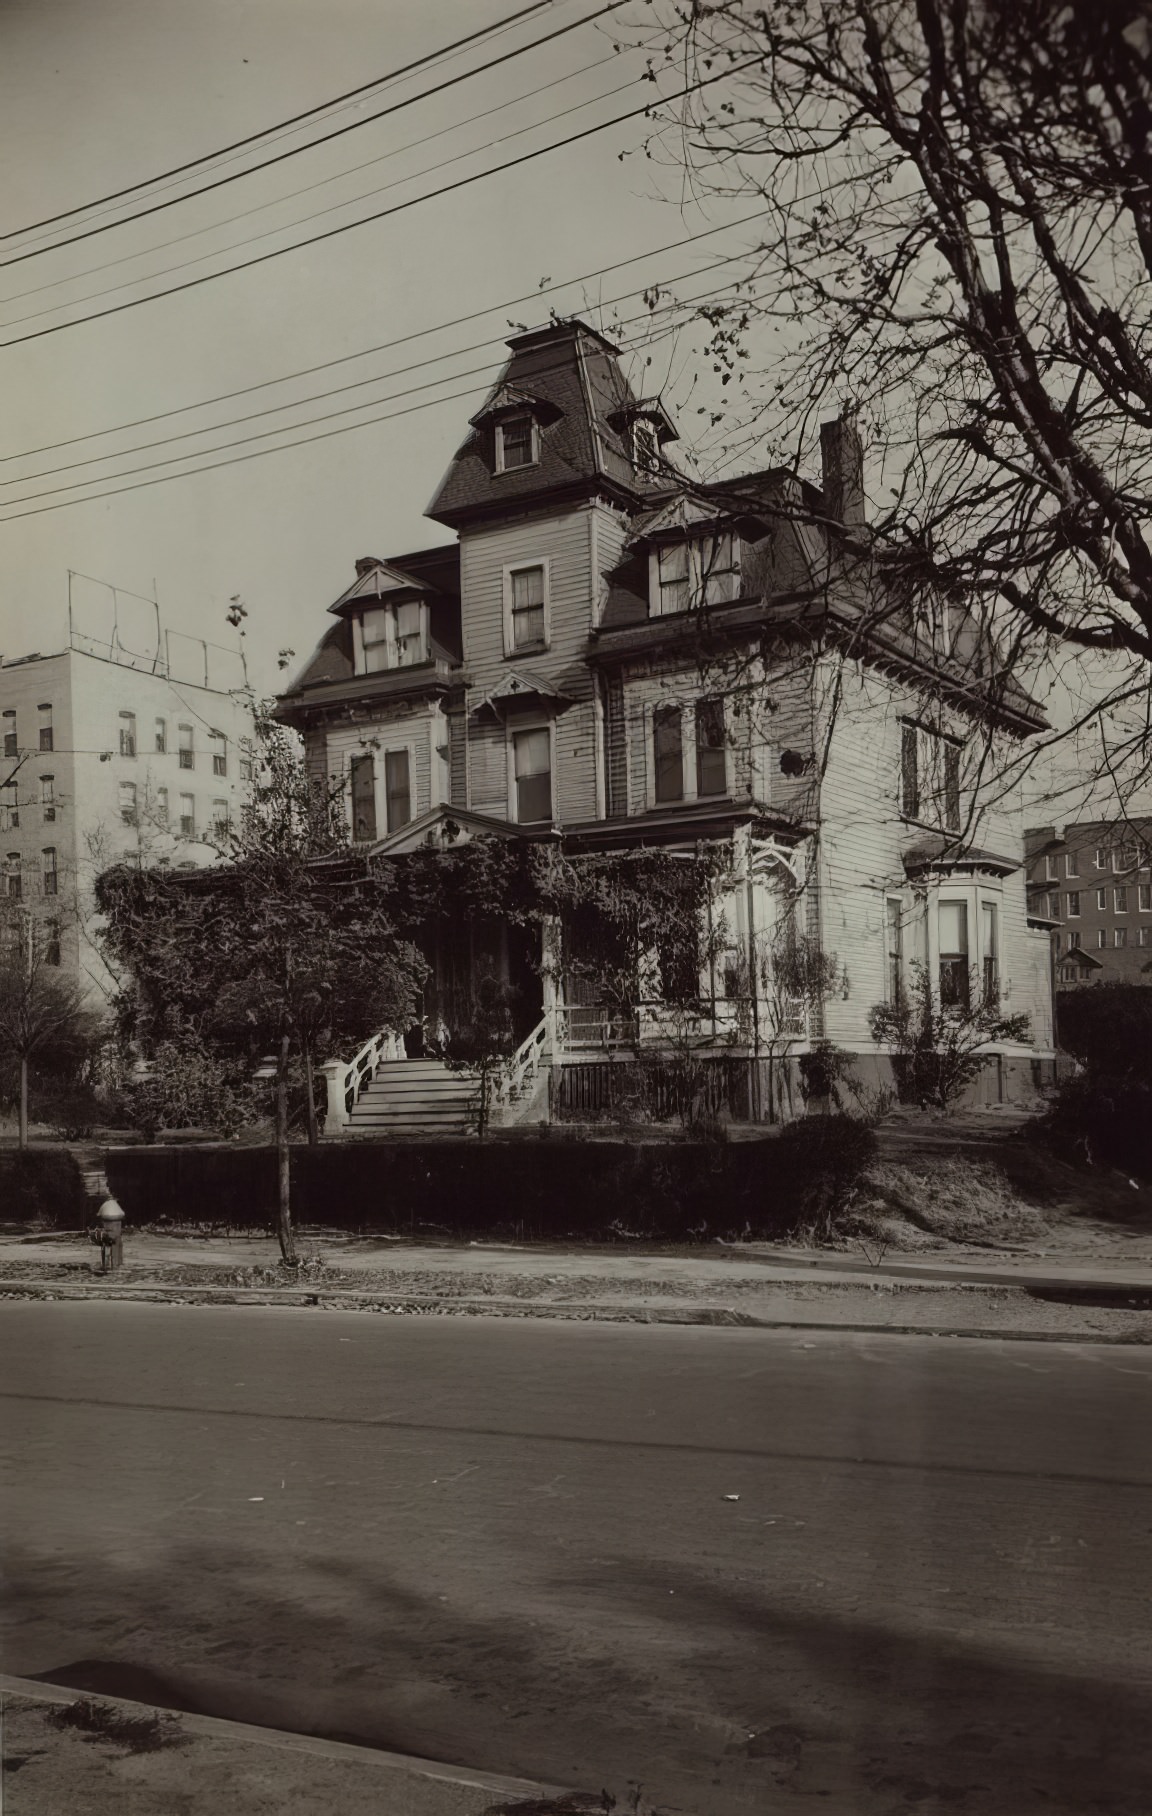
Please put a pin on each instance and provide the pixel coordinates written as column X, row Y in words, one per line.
column 110, row 1224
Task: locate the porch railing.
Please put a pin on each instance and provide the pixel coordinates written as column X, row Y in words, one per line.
column 519, row 1074
column 345, row 1080
column 720, row 1021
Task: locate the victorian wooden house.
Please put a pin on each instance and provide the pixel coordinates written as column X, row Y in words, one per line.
column 613, row 656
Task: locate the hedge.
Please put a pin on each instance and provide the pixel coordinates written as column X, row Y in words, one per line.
column 554, row 1188
column 42, row 1186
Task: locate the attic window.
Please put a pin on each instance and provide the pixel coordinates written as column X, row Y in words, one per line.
column 516, row 443
column 645, row 447
column 395, row 635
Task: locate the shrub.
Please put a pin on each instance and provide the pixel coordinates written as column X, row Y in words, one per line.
column 1108, row 1028
column 42, row 1186
column 820, row 1162
column 1103, row 1120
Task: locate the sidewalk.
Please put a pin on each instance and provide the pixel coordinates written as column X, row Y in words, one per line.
column 107, row 1757
column 756, row 1285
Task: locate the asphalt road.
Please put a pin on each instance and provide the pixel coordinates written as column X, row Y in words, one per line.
column 516, row 1545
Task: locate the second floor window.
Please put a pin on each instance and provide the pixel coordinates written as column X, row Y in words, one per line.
column 219, row 754
column 128, row 803
column 44, row 714
column 711, row 752
column 187, row 817
column 526, row 607
column 668, row 753
column 397, row 789
column 48, row 872
column 187, row 749
column 363, row 798
column 532, row 772
column 47, row 798
column 929, row 777
column 10, row 746
column 1073, row 902
column 127, row 734
column 394, row 636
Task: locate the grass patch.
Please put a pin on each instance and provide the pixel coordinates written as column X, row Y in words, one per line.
column 143, row 1733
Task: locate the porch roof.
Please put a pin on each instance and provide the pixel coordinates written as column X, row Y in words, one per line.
column 943, row 853
column 693, row 820
column 443, row 828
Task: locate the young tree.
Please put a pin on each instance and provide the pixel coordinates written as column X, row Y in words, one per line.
column 286, row 945
column 938, row 1048
column 957, row 236
column 42, row 1015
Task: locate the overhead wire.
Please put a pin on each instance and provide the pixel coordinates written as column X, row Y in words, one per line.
column 446, row 51
column 293, row 195
column 241, row 459
column 339, row 132
column 338, row 390
column 344, row 359
column 526, row 157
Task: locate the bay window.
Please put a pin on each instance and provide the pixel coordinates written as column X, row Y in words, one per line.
column 953, row 926
column 990, row 952
column 894, row 955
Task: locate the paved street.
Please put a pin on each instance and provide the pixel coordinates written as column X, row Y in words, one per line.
column 512, row 1545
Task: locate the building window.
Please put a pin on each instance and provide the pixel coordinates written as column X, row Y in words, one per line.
column 48, row 873
column 953, row 923
column 990, row 952
column 245, row 761
column 397, row 789
column 160, row 737
column 711, row 749
column 394, row 636
column 1121, row 897
column 1073, row 903
column 668, row 753
column 1054, row 905
column 187, row 817
column 1146, row 936
column 1120, row 938
column 894, row 967
column 532, row 771
column 516, row 443
column 1055, row 942
column 1067, row 974
column 719, row 558
column 10, row 746
column 187, row 748
column 52, row 943
column 1072, row 863
column 128, row 803
column 1073, row 941
column 527, row 621
column 702, row 572
column 12, row 881
column 44, row 714
column 645, row 446
column 220, row 818
column 363, row 798
column 1101, row 898
column 1101, row 938
column 47, row 799
column 162, row 807
column 219, row 744
column 9, row 807
column 1101, row 857
column 1145, row 898
column 930, row 777
column 1052, row 869
column 671, row 579
column 127, row 734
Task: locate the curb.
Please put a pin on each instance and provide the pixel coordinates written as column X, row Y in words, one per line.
column 572, row 1311
column 33, row 1689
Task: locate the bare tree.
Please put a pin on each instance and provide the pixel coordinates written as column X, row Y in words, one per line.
column 957, row 237
column 39, row 1009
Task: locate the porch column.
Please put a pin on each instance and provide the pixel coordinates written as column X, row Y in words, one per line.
column 550, row 978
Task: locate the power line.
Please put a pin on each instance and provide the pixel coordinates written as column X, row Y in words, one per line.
column 384, row 113
column 345, row 359
column 241, row 459
column 244, row 214
column 336, row 391
column 333, row 208
column 406, row 69
column 526, row 157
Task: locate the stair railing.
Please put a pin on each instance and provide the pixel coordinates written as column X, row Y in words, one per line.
column 519, row 1075
column 344, row 1080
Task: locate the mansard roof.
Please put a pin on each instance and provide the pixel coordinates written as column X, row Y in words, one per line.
column 569, row 377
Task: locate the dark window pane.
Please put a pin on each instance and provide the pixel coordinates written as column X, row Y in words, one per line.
column 516, row 435
column 951, row 787
column 909, row 775
column 398, row 789
column 534, row 797
column 711, row 763
column 45, row 737
column 363, row 798
column 667, row 746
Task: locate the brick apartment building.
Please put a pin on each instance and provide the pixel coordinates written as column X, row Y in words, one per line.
column 1093, row 883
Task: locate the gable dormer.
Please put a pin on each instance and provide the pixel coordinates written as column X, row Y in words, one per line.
column 561, row 424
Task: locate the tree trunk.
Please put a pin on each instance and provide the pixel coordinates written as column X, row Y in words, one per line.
column 310, row 1099
column 23, row 1137
column 283, row 1171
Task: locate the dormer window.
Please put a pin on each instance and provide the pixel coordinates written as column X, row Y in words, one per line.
column 517, row 443
column 687, row 575
column 645, row 447
column 395, row 635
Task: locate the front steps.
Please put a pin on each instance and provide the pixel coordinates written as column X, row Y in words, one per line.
column 416, row 1099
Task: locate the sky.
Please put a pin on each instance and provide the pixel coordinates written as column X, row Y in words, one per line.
column 98, row 94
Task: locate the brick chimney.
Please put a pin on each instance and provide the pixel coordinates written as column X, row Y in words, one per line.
column 842, row 463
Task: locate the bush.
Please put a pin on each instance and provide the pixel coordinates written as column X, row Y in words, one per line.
column 42, row 1186
column 820, row 1162
column 1103, row 1121
column 1108, row 1028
